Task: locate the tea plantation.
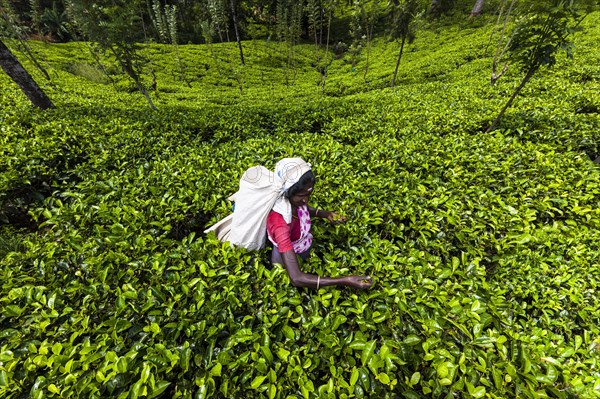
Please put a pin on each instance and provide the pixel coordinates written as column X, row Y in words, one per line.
column 484, row 247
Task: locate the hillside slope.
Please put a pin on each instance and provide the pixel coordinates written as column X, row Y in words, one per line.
column 484, row 247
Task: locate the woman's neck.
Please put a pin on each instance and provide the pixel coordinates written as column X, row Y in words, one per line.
column 294, row 211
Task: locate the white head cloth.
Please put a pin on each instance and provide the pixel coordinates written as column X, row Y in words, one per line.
column 288, row 171
column 260, row 192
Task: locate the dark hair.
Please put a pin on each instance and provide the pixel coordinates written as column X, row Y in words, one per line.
column 306, row 180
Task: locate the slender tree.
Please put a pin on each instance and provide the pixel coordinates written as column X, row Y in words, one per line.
column 289, row 30
column 404, row 15
column 365, row 15
column 13, row 68
column 171, row 17
column 164, row 19
column 477, row 8
column 313, row 12
column 218, row 18
column 503, row 43
column 237, row 30
column 329, row 9
column 159, row 20
column 115, row 25
column 357, row 31
column 207, row 34
column 545, row 28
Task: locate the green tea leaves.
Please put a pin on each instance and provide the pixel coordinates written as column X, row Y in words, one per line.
column 484, row 248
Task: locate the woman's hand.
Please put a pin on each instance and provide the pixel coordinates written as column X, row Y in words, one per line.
column 334, row 218
column 359, row 282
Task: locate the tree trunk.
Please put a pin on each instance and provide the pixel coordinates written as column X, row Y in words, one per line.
column 324, row 71
column 237, row 33
column 128, row 68
column 500, row 53
column 321, row 25
column 24, row 47
column 435, row 7
column 477, row 8
column 512, row 98
column 398, row 61
column 13, row 68
column 369, row 33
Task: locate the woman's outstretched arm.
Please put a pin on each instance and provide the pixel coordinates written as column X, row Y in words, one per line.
column 301, row 279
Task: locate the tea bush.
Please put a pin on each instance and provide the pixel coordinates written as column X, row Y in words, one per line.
column 484, row 247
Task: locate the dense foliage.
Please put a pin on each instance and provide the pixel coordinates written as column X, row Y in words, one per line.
column 203, row 21
column 484, row 247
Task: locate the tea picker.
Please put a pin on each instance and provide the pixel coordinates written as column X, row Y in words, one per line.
column 275, row 205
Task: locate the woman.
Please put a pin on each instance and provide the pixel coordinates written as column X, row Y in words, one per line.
column 294, row 239
column 276, row 205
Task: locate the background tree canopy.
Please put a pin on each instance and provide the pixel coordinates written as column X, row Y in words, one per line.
column 54, row 20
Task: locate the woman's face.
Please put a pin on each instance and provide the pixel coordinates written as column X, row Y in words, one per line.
column 302, row 197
